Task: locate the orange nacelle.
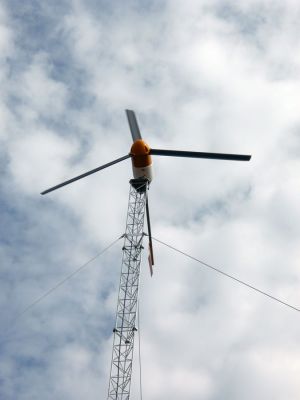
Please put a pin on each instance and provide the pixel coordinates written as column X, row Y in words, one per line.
column 140, row 151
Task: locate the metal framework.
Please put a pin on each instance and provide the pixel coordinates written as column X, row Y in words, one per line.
column 122, row 353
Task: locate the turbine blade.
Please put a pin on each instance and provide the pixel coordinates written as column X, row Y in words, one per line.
column 151, row 259
column 86, row 174
column 133, row 125
column 198, row 154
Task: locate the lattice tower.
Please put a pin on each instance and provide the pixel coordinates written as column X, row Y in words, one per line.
column 125, row 327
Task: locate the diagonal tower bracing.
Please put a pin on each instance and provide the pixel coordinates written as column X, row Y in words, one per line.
column 122, row 353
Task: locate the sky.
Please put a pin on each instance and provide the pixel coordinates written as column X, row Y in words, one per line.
column 208, row 75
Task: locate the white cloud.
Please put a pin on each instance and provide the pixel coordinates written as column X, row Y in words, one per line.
column 39, row 157
column 208, row 76
column 40, row 93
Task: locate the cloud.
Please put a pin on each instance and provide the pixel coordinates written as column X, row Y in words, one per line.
column 207, row 76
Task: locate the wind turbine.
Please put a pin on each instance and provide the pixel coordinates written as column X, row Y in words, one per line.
column 141, row 156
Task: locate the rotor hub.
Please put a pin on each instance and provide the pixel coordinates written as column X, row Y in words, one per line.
column 140, row 151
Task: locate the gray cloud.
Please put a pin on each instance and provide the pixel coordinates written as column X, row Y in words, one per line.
column 211, row 76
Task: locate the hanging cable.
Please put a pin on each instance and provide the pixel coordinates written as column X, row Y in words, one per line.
column 227, row 275
column 140, row 357
column 60, row 283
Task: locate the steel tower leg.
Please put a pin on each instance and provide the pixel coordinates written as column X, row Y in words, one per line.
column 122, row 353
